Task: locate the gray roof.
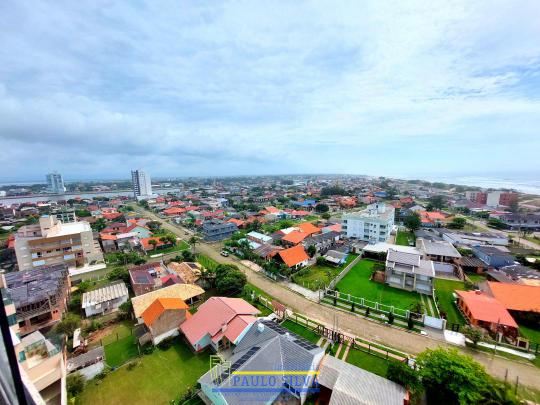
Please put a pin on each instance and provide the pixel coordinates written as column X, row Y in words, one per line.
column 411, row 259
column 440, row 248
column 409, row 263
column 351, row 385
column 90, row 357
column 104, row 294
column 272, row 349
column 517, row 271
column 30, row 286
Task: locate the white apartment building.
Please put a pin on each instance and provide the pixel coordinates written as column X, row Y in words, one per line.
column 372, row 224
column 55, row 183
column 142, row 185
column 51, row 242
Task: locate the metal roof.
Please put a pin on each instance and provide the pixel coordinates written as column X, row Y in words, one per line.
column 104, row 294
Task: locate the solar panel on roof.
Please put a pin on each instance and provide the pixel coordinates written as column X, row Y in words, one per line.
column 237, row 364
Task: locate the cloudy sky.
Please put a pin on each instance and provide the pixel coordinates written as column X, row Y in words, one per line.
column 184, row 88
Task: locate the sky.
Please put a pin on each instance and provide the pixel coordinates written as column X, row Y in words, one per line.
column 205, row 88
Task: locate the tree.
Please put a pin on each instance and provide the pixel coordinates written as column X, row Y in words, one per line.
column 192, row 241
column 400, row 373
column 187, row 256
column 437, row 202
column 311, row 250
column 513, row 207
column 496, row 223
column 231, row 282
column 322, row 208
column 75, row 384
column 321, row 261
column 450, row 377
column 412, row 221
column 457, row 223
column 83, row 213
column 153, row 242
column 474, row 333
column 154, row 226
column 68, row 325
column 83, row 286
column 99, row 225
column 326, row 215
column 119, row 273
column 125, row 309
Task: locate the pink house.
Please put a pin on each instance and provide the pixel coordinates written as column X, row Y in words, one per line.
column 218, row 323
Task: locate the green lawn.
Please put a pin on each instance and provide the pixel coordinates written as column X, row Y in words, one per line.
column 207, row 262
column 369, row 362
column 180, row 246
column 301, row 331
column 403, row 238
column 533, row 334
column 120, row 351
column 443, row 291
column 314, row 277
column 357, row 283
column 476, row 278
column 159, row 378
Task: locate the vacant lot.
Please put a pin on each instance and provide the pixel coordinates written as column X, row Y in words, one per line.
column 444, row 290
column 158, row 378
column 357, row 282
column 316, row 276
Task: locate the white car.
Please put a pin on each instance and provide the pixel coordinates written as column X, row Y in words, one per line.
column 224, row 253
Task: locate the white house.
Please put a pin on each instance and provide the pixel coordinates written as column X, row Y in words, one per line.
column 372, row 224
column 104, row 300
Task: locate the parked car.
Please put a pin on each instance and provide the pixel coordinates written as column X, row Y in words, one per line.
column 224, row 253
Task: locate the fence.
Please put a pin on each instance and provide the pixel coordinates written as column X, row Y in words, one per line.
column 344, row 272
column 353, row 302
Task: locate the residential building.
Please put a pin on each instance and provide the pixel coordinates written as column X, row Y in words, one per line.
column 219, row 323
column 163, row 318
column 35, row 364
column 88, row 364
column 189, row 293
column 342, row 383
column 216, row 230
column 294, row 257
column 493, row 256
column 372, row 224
column 188, row 272
column 501, row 198
column 259, row 237
column 408, row 271
column 468, row 239
column 482, row 310
column 52, row 242
column 40, row 296
column 521, row 221
column 142, row 185
column 146, row 277
column 55, row 183
column 266, row 351
column 478, row 197
column 104, row 300
column 438, row 251
column 522, row 301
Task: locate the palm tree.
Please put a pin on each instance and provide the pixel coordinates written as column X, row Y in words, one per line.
column 192, row 242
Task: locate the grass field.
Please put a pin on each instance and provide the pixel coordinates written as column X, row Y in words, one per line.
column 368, row 362
column 533, row 334
column 207, row 262
column 120, row 351
column 314, row 277
column 444, row 290
column 357, row 283
column 476, row 278
column 158, row 378
column 301, row 331
column 403, row 238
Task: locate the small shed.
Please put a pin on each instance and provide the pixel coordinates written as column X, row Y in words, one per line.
column 105, row 299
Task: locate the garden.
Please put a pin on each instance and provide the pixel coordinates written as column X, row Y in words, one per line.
column 405, row 238
column 444, row 290
column 320, row 275
column 357, row 282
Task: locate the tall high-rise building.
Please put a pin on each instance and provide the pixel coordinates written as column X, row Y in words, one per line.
column 142, row 185
column 55, row 183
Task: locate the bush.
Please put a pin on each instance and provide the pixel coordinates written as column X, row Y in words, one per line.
column 75, row 384
column 131, row 365
column 166, row 343
column 390, row 318
column 401, row 373
column 148, row 348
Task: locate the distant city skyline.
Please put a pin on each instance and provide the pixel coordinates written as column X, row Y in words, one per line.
column 399, row 89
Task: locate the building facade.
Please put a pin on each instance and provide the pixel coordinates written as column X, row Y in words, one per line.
column 55, row 183
column 372, row 224
column 51, row 242
column 142, row 185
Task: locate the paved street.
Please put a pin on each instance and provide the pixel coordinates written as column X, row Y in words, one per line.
column 524, row 242
column 356, row 325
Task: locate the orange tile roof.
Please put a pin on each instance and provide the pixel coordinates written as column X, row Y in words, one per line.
column 308, row 227
column 174, row 211
column 148, row 246
column 486, row 308
column 516, row 297
column 159, row 306
column 295, row 237
column 272, row 210
column 294, row 255
column 107, row 236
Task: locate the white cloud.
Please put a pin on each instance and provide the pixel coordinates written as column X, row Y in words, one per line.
column 243, row 87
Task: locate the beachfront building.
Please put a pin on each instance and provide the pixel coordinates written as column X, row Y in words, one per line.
column 372, row 224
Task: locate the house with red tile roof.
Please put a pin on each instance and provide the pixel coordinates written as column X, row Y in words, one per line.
column 160, row 244
column 238, row 222
column 219, row 323
column 517, row 298
column 162, row 319
column 294, row 238
column 484, row 311
column 174, row 211
column 308, row 227
column 294, row 257
column 111, row 216
column 432, row 219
